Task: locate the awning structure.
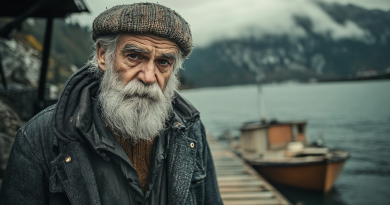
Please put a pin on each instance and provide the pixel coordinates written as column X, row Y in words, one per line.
column 48, row 9
column 42, row 8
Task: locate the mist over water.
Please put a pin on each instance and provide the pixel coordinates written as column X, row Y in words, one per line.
column 353, row 116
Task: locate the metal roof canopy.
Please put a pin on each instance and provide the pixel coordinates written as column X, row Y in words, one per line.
column 46, row 8
column 49, row 9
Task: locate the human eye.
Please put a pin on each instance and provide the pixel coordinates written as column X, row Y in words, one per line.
column 164, row 65
column 164, row 62
column 133, row 56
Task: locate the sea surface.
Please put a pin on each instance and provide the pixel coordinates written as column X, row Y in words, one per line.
column 352, row 116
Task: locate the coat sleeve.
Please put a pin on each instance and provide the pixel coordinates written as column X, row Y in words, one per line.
column 212, row 195
column 24, row 180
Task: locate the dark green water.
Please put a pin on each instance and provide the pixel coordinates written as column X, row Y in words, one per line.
column 353, row 116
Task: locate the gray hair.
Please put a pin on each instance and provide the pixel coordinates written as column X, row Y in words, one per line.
column 109, row 44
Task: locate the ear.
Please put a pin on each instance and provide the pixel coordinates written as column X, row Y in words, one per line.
column 101, row 57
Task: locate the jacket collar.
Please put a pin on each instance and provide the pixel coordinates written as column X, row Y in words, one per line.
column 184, row 113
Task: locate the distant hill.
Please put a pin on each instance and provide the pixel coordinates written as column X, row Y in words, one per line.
column 281, row 58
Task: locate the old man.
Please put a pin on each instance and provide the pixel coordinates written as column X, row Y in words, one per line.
column 120, row 133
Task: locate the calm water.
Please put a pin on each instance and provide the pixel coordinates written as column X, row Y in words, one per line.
column 353, row 116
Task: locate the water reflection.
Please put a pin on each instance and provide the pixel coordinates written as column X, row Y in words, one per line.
column 308, row 197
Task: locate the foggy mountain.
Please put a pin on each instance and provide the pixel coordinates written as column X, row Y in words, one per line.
column 316, row 55
column 357, row 44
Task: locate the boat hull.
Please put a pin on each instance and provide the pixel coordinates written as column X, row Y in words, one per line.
column 318, row 176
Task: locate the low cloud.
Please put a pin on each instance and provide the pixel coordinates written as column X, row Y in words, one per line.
column 230, row 19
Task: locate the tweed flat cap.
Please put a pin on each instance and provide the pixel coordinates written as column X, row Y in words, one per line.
column 145, row 18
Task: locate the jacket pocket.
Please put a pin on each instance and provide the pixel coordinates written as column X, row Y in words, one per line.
column 196, row 192
column 197, row 180
column 55, row 183
column 198, row 174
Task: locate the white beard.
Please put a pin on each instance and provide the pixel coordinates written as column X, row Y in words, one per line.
column 135, row 110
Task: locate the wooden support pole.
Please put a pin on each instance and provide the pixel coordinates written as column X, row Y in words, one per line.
column 45, row 64
column 2, row 74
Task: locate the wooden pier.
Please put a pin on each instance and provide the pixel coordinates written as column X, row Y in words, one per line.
column 239, row 183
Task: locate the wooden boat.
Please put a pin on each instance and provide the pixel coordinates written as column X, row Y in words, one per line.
column 280, row 153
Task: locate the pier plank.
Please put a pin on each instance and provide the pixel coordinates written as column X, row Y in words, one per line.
column 236, row 178
column 264, row 194
column 240, row 189
column 254, row 202
column 239, row 183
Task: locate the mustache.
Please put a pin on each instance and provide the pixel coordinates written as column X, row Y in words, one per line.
column 136, row 89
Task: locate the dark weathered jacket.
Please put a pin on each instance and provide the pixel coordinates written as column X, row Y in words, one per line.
column 38, row 172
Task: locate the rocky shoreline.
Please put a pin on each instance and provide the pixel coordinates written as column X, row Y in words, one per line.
column 9, row 126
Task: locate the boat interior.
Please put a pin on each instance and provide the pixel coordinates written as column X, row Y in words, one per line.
column 285, row 142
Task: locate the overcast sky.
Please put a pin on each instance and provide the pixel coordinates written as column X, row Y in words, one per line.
column 212, row 20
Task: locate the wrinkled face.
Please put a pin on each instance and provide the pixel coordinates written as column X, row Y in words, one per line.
column 138, row 85
column 146, row 58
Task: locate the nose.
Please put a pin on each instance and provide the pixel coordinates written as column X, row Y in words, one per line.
column 147, row 74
